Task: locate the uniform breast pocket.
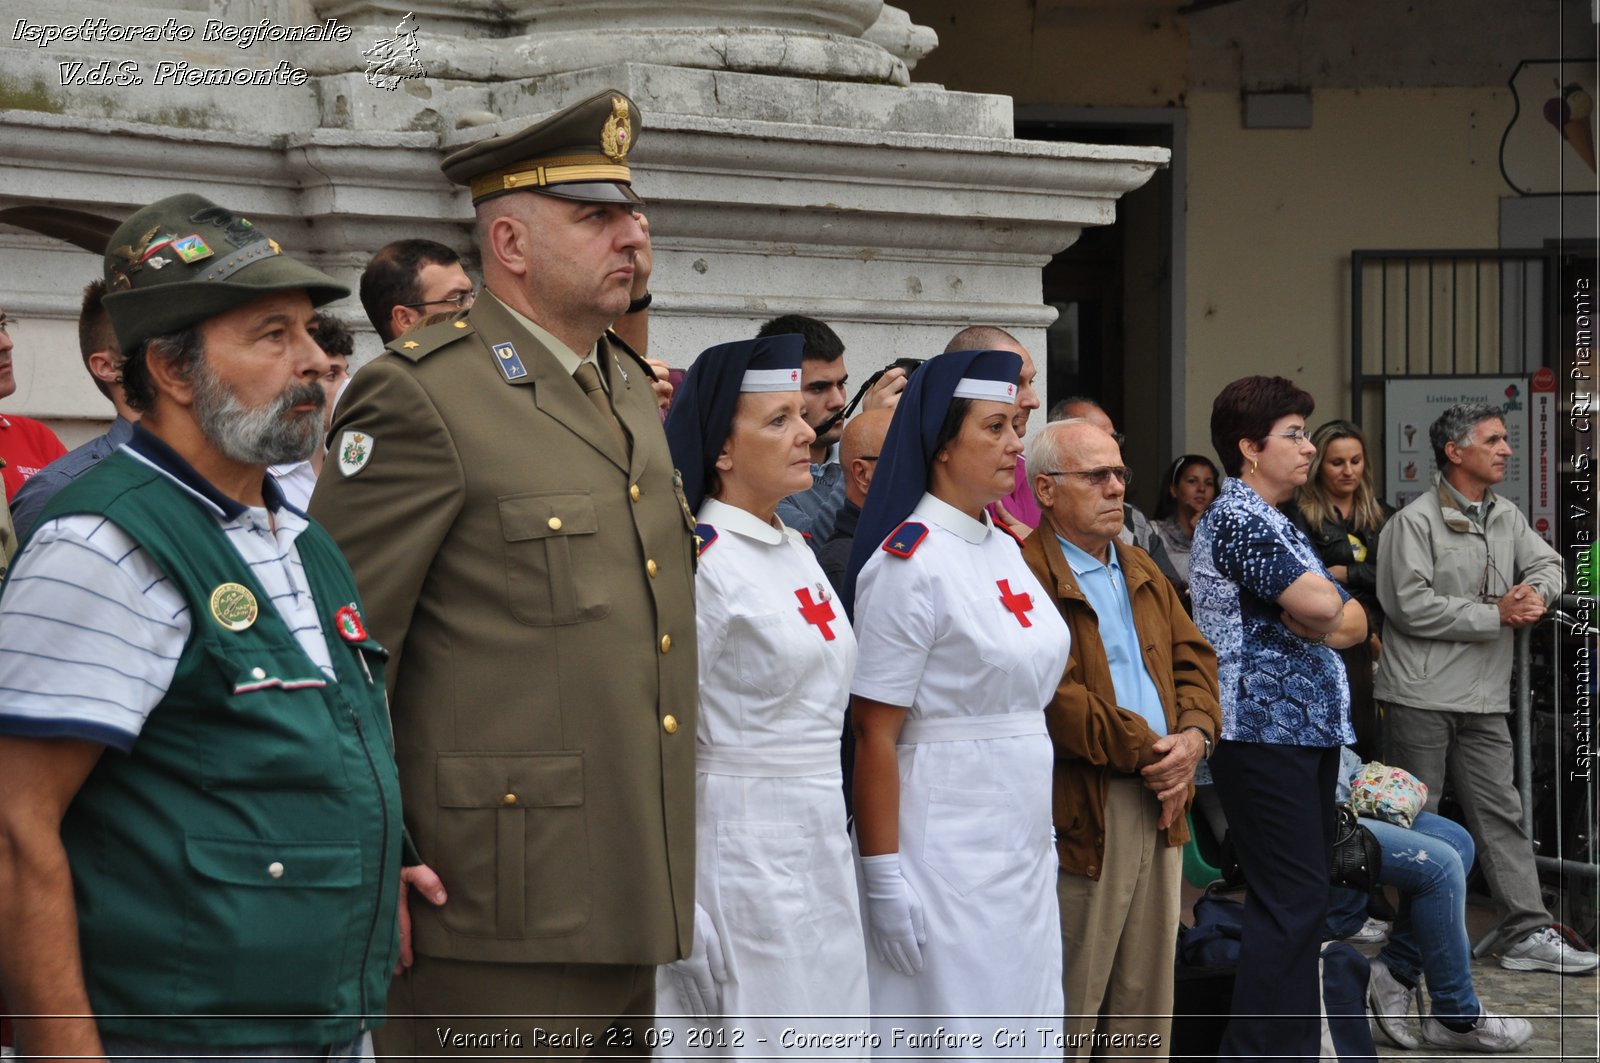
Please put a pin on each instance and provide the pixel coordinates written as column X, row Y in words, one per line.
column 767, row 647
column 275, row 731
column 994, row 628
column 554, row 570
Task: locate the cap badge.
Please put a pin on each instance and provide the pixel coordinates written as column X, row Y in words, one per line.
column 355, row 450
column 233, row 606
column 191, row 248
column 615, row 136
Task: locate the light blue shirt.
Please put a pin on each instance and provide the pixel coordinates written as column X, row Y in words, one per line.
column 1107, row 592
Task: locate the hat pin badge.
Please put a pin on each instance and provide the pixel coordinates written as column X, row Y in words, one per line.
column 614, row 135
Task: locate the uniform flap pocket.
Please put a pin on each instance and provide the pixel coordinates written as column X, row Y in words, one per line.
column 270, row 864
column 524, row 517
column 485, row 780
column 248, row 669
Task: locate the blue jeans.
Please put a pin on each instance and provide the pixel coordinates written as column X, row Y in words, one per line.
column 1428, row 865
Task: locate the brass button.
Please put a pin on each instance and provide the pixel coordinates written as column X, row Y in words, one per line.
column 555, row 523
column 669, row 724
column 275, row 869
column 651, row 567
column 509, row 799
column 666, row 643
column 633, row 492
column 461, row 324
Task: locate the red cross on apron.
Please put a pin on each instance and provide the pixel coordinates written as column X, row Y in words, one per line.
column 1019, row 604
column 815, row 612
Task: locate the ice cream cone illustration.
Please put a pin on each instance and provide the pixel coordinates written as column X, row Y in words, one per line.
column 1571, row 113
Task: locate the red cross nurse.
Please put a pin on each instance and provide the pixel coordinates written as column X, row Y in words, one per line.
column 960, row 651
column 779, row 961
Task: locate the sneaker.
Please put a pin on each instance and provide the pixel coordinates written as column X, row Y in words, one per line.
column 1391, row 1004
column 1372, row 932
column 1547, row 950
column 1493, row 1033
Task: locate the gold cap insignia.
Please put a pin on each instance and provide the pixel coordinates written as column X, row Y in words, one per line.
column 615, row 135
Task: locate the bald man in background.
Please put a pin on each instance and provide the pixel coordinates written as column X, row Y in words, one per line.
column 858, row 456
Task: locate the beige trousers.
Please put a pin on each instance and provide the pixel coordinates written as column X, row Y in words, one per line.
column 1119, row 934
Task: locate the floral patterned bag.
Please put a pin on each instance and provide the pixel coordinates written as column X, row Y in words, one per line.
column 1391, row 794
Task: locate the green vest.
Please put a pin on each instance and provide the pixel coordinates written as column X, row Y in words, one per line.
column 242, row 859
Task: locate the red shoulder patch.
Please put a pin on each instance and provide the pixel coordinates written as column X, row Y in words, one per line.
column 904, row 540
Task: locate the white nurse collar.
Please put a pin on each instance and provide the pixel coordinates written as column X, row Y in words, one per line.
column 992, row 390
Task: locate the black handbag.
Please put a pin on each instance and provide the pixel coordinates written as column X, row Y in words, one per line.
column 1357, row 858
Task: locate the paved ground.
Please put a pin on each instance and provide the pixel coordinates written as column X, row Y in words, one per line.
column 1562, row 1009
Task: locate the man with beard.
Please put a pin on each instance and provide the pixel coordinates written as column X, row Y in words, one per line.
column 223, row 880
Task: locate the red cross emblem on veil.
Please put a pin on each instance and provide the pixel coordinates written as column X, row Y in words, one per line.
column 1019, row 604
column 815, row 612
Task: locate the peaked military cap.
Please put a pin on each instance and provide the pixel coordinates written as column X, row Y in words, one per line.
column 184, row 259
column 580, row 152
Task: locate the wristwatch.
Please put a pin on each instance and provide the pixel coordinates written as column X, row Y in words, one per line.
column 641, row 303
column 1201, row 731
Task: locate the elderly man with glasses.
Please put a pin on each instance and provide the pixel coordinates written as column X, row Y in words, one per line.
column 1458, row 570
column 1134, row 714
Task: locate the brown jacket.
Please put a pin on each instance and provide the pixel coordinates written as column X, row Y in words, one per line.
column 1093, row 738
column 527, row 574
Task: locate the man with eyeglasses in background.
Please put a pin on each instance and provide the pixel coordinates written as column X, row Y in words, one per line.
column 26, row 446
column 410, row 279
column 1459, row 569
column 1136, row 527
column 1135, row 712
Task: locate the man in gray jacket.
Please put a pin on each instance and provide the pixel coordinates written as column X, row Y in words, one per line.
column 1458, row 570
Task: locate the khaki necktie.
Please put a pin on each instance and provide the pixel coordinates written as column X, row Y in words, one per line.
column 588, row 378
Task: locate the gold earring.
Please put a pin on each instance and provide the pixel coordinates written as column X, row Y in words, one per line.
column 1255, row 466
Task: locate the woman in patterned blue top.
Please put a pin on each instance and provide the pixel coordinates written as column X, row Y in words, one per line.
column 1275, row 618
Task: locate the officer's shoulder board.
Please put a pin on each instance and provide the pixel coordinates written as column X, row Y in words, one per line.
column 419, row 343
column 904, row 540
column 704, row 536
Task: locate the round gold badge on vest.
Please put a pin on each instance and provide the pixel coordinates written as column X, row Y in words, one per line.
column 233, row 606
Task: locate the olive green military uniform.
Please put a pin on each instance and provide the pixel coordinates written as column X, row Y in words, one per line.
column 535, row 582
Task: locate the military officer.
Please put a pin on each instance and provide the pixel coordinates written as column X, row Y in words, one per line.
column 503, row 490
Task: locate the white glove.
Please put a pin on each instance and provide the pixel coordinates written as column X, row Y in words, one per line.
column 699, row 975
column 894, row 914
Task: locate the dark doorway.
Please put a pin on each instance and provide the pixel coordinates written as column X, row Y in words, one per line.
column 1115, row 339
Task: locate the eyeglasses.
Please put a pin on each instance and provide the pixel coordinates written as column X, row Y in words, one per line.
column 1099, row 477
column 460, row 301
column 1293, row 435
